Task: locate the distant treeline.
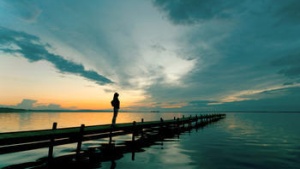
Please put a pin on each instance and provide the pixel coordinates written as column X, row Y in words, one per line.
column 8, row 110
column 5, row 109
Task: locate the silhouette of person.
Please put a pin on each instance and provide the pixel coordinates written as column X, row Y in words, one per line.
column 116, row 105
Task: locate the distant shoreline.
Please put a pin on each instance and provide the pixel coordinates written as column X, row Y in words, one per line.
column 5, row 109
column 10, row 110
column 15, row 110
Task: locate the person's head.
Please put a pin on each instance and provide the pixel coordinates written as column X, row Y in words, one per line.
column 116, row 95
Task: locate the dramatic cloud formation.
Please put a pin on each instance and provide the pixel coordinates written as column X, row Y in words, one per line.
column 30, row 47
column 164, row 54
column 239, row 45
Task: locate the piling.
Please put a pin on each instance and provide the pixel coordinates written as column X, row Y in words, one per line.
column 50, row 152
column 29, row 140
column 80, row 136
column 133, row 140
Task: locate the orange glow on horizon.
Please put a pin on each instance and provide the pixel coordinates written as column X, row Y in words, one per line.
column 74, row 104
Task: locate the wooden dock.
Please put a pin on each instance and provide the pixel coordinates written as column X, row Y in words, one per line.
column 29, row 140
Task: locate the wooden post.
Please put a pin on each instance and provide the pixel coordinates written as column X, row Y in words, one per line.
column 80, row 136
column 161, row 123
column 178, row 126
column 133, row 140
column 50, row 152
column 133, row 131
column 162, row 131
column 190, row 124
column 183, row 124
column 142, row 129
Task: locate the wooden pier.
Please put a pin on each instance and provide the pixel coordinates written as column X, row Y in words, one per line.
column 28, row 140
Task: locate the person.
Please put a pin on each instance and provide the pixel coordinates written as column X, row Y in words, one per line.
column 116, row 105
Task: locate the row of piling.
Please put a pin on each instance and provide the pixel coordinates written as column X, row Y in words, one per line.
column 21, row 141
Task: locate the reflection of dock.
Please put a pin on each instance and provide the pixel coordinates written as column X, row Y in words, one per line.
column 143, row 134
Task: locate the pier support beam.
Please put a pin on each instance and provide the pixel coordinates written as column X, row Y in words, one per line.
column 142, row 129
column 50, row 152
column 133, row 140
column 81, row 132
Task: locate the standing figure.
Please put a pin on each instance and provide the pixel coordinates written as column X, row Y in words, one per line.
column 116, row 104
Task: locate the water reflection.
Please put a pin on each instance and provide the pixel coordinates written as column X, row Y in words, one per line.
column 248, row 140
column 9, row 122
column 36, row 121
column 98, row 152
column 242, row 141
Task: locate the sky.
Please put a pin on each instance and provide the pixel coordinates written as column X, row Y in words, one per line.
column 208, row 55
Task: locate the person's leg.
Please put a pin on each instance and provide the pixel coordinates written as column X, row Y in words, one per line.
column 115, row 116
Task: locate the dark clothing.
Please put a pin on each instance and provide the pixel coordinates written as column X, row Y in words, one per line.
column 116, row 104
column 115, row 116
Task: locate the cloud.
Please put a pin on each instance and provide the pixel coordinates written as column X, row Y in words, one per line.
column 34, row 105
column 289, row 65
column 195, row 11
column 283, row 99
column 49, row 107
column 239, row 46
column 30, row 47
column 26, row 104
column 289, row 12
column 198, row 53
column 202, row 103
column 26, row 10
column 277, row 100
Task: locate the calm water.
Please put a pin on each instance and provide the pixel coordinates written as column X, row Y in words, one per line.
column 241, row 140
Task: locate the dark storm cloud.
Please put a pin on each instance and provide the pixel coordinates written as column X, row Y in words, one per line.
column 289, row 11
column 194, row 11
column 234, row 43
column 289, row 65
column 31, row 48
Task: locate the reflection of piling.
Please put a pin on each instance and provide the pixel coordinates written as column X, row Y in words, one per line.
column 134, row 132
column 110, row 134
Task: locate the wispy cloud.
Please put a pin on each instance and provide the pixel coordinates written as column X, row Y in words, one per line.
column 285, row 99
column 31, row 47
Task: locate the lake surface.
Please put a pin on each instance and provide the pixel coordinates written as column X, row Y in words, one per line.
column 240, row 141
